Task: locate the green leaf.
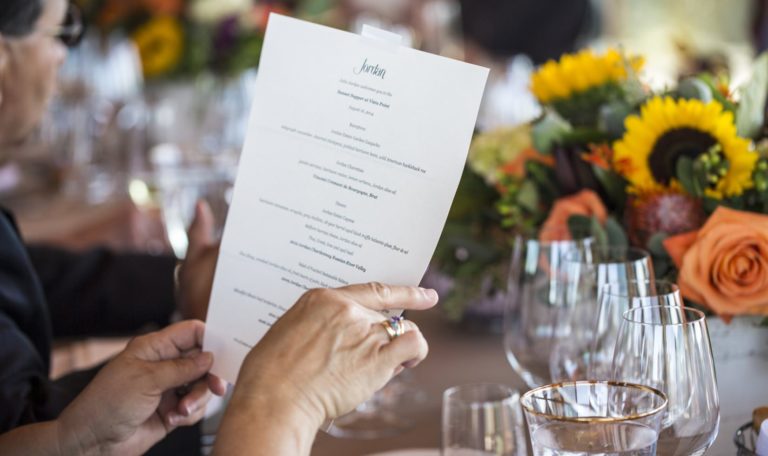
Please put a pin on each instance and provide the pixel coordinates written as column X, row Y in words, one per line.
column 656, row 245
column 685, row 175
column 615, row 233
column 699, row 179
column 614, row 185
column 749, row 116
column 549, row 130
column 528, row 196
column 581, row 225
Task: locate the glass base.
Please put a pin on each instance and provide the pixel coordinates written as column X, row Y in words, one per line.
column 389, row 412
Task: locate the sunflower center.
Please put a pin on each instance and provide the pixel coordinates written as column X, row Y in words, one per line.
column 681, row 142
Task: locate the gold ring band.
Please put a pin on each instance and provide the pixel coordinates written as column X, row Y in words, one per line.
column 395, row 327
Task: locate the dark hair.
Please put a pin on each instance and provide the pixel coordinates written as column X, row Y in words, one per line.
column 18, row 17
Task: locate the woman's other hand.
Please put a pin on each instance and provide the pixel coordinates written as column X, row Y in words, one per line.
column 158, row 383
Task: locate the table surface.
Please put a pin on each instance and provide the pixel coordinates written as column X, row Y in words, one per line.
column 457, row 356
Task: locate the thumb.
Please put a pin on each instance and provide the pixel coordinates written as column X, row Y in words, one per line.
column 200, row 232
column 176, row 372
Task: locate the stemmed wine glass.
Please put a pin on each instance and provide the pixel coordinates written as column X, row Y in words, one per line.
column 535, row 294
column 585, row 271
column 615, row 299
column 668, row 348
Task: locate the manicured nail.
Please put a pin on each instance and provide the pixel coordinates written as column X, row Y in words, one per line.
column 204, row 359
column 174, row 419
column 429, row 293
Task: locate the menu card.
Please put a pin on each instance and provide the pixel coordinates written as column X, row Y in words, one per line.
column 354, row 150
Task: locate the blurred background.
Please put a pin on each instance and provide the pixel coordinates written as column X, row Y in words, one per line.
column 153, row 103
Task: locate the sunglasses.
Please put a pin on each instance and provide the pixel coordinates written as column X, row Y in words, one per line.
column 71, row 31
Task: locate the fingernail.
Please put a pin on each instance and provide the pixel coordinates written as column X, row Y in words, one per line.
column 204, row 359
column 429, row 293
column 173, row 419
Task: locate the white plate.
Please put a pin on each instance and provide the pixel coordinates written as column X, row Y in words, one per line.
column 410, row 452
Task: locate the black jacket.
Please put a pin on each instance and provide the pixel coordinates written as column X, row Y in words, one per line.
column 47, row 293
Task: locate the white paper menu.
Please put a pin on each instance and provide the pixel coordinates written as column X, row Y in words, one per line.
column 354, row 150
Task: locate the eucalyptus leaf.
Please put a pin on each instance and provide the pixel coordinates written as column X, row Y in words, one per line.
column 549, row 130
column 615, row 233
column 578, row 225
column 656, row 245
column 751, row 111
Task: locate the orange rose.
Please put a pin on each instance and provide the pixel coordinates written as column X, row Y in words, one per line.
column 724, row 265
column 586, row 203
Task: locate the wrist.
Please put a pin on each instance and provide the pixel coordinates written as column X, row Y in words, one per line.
column 280, row 424
column 74, row 439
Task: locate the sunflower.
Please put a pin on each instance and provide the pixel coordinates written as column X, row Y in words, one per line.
column 576, row 73
column 160, row 43
column 668, row 129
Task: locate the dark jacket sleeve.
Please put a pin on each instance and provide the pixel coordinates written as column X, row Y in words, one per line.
column 99, row 292
column 27, row 395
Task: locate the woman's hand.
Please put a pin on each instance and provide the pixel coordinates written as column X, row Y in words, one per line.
column 325, row 356
column 134, row 401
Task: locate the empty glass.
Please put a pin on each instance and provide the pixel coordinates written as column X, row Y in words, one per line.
column 615, row 299
column 535, row 294
column 594, row 418
column 179, row 188
column 585, row 271
column 668, row 348
column 482, row 420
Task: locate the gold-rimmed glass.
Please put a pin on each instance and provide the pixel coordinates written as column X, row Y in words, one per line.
column 594, row 418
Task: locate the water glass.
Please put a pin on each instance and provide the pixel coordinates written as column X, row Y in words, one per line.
column 615, row 299
column 535, row 293
column 668, row 348
column 482, row 420
column 588, row 418
column 585, row 272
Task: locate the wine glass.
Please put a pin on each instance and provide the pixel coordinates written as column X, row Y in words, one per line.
column 180, row 187
column 534, row 295
column 615, row 299
column 585, row 271
column 387, row 413
column 482, row 419
column 668, row 348
column 599, row 418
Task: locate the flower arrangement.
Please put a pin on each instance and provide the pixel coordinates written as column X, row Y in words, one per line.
column 682, row 173
column 177, row 38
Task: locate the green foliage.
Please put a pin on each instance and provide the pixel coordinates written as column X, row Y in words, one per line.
column 581, row 226
column 695, row 88
column 662, row 263
column 581, row 108
column 614, row 185
column 615, row 233
column 548, row 131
